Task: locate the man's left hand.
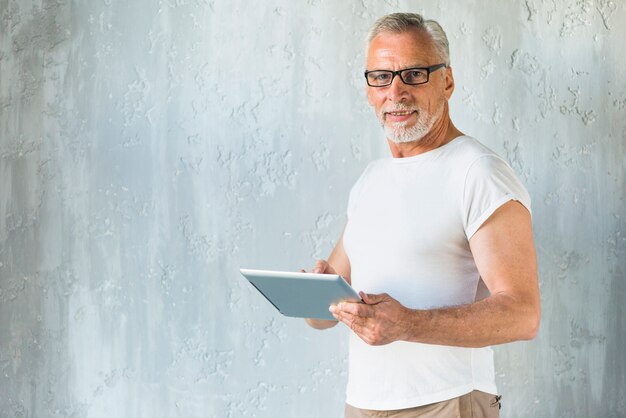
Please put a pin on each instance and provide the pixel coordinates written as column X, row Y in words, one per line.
column 379, row 321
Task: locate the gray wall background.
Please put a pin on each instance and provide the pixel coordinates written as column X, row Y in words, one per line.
column 150, row 149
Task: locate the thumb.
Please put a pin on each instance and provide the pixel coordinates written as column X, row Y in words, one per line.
column 372, row 299
column 320, row 267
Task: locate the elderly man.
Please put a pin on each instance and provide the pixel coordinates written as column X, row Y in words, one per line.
column 438, row 238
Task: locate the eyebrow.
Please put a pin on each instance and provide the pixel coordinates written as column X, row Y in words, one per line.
column 403, row 68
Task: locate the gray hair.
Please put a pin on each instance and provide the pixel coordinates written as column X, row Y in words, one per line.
column 403, row 22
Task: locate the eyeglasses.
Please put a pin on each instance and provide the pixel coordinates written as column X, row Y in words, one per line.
column 411, row 76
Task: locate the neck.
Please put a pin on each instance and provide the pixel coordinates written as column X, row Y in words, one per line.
column 443, row 131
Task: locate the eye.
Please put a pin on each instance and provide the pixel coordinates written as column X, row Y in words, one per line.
column 381, row 76
column 414, row 75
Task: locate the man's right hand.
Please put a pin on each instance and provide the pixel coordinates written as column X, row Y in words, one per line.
column 321, row 267
column 340, row 265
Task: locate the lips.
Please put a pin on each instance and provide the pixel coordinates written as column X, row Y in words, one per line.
column 399, row 115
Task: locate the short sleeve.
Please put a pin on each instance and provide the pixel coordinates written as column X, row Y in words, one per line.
column 489, row 183
column 355, row 192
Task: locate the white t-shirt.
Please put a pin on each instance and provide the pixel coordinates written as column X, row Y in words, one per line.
column 409, row 225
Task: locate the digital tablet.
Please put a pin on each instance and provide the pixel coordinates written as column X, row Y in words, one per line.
column 301, row 295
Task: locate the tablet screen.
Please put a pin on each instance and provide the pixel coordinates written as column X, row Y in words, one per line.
column 301, row 295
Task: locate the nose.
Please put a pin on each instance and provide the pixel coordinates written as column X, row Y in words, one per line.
column 397, row 91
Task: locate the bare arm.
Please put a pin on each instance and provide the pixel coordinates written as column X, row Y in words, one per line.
column 338, row 263
column 504, row 253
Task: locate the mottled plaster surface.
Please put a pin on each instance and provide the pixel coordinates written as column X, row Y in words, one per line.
column 149, row 149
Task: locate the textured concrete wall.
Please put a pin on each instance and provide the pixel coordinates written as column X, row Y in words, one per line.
column 149, row 149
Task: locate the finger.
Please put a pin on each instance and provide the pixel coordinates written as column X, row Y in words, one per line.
column 365, row 338
column 320, row 267
column 350, row 321
column 360, row 330
column 363, row 331
column 357, row 309
column 373, row 299
column 340, row 315
column 354, row 325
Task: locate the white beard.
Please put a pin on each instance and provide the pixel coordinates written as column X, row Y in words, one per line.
column 399, row 133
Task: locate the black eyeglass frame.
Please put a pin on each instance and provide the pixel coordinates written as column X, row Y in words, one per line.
column 399, row 73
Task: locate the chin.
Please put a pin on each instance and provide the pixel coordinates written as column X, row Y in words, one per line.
column 403, row 136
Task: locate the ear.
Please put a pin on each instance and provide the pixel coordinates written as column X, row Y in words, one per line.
column 368, row 93
column 449, row 86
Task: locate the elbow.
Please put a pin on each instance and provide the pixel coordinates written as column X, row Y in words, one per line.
column 531, row 323
column 531, row 332
column 320, row 323
column 527, row 317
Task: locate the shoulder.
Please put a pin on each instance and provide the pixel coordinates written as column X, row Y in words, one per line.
column 466, row 151
column 469, row 158
column 378, row 165
column 375, row 167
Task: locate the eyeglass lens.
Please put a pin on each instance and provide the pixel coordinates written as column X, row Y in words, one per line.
column 408, row 76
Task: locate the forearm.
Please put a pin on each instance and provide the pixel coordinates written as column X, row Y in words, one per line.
column 495, row 320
